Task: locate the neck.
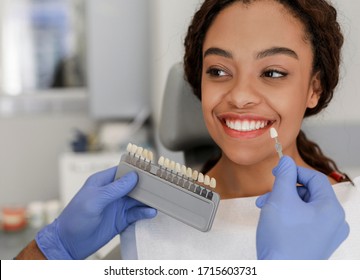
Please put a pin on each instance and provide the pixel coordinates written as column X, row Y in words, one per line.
column 234, row 180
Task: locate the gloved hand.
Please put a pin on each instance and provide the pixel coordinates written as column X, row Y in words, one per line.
column 98, row 212
column 293, row 226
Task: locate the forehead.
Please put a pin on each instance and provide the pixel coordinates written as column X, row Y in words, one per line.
column 261, row 22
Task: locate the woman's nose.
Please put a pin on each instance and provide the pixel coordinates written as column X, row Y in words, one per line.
column 244, row 94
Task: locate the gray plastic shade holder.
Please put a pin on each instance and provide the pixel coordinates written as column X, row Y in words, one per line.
column 173, row 194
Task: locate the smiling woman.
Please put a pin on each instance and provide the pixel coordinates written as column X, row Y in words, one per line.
column 253, row 85
column 259, row 66
column 255, row 65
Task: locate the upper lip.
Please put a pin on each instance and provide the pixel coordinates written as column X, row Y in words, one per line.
column 243, row 117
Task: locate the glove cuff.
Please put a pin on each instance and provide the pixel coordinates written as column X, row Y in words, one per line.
column 50, row 244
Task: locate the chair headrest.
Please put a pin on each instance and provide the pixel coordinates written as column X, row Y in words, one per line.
column 182, row 125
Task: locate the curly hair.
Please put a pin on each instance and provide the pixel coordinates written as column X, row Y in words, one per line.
column 322, row 30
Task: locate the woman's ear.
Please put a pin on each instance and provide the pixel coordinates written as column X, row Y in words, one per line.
column 315, row 91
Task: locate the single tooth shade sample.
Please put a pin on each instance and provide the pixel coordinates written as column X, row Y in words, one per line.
column 161, row 161
column 207, row 180
column 201, row 178
column 213, row 183
column 134, row 149
column 273, row 132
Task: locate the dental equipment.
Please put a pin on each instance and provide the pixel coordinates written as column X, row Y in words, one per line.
column 278, row 147
column 174, row 189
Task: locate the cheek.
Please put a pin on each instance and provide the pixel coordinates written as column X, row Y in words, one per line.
column 291, row 113
column 210, row 98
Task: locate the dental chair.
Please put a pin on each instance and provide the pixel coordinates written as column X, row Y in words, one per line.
column 182, row 127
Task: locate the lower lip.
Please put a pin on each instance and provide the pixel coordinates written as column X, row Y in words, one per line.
column 244, row 134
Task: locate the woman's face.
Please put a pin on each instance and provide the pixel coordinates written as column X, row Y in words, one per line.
column 257, row 74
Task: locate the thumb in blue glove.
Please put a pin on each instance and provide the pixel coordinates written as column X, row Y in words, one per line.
column 299, row 223
column 98, row 212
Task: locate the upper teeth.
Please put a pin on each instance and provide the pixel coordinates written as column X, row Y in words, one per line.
column 246, row 125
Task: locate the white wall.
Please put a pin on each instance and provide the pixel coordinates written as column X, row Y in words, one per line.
column 170, row 20
column 30, row 147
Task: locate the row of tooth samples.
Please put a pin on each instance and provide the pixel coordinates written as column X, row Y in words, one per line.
column 140, row 152
column 187, row 172
column 165, row 163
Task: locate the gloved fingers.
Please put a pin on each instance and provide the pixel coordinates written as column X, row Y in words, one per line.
column 285, row 180
column 317, row 183
column 116, row 189
column 138, row 213
column 102, row 178
column 303, row 193
column 261, row 200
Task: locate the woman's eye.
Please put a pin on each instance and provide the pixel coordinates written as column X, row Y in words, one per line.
column 215, row 72
column 275, row 74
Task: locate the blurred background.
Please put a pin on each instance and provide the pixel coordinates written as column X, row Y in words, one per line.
column 79, row 79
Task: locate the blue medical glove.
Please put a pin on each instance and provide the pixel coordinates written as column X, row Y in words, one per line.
column 305, row 223
column 98, row 212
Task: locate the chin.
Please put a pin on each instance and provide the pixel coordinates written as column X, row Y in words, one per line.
column 247, row 157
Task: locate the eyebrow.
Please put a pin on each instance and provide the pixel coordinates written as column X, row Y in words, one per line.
column 262, row 54
column 275, row 51
column 218, row 51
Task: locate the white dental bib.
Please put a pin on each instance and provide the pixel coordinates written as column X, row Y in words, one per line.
column 233, row 235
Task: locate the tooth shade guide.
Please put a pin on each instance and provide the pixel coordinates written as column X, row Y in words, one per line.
column 180, row 175
column 183, row 170
column 172, row 165
column 150, row 156
column 213, row 183
column 163, row 189
column 189, row 172
column 201, row 178
column 144, row 154
column 273, row 132
column 129, row 148
column 166, row 163
column 161, row 161
column 177, row 167
column 139, row 151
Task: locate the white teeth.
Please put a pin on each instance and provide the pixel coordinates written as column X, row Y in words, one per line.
column 246, row 125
